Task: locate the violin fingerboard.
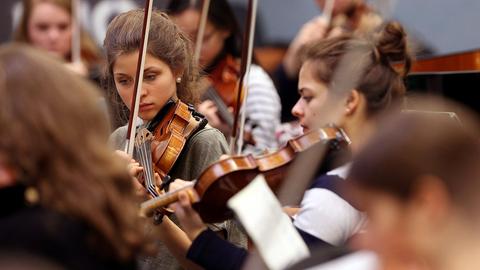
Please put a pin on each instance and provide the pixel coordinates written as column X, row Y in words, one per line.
column 143, row 153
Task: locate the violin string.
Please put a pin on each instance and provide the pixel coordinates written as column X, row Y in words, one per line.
column 144, row 158
column 148, row 154
column 148, row 167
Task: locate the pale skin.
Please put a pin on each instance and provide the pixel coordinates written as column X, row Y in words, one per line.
column 159, row 85
column 50, row 29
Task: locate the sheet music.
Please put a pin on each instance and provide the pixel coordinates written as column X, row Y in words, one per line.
column 272, row 231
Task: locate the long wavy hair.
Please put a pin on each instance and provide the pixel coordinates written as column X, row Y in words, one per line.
column 166, row 42
column 54, row 134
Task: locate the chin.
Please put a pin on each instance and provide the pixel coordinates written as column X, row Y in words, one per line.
column 146, row 116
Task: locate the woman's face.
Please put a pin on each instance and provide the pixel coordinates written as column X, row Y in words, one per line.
column 213, row 38
column 159, row 83
column 313, row 96
column 49, row 28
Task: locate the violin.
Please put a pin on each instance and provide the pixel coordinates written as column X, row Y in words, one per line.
column 160, row 144
column 223, row 80
column 221, row 180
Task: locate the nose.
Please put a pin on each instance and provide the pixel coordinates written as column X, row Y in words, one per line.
column 297, row 110
column 53, row 34
column 143, row 91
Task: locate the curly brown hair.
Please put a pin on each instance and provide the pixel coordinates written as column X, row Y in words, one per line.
column 54, row 134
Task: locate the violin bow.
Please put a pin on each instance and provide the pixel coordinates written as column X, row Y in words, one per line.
column 236, row 140
column 201, row 29
column 76, row 35
column 132, row 122
column 328, row 10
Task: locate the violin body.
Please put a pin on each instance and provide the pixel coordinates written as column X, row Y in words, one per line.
column 219, row 182
column 161, row 143
column 223, row 179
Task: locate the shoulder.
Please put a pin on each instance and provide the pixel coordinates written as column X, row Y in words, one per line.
column 324, row 204
column 202, row 149
column 206, row 138
column 118, row 137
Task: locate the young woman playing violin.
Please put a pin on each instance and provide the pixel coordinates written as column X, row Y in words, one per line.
column 169, row 80
column 379, row 87
column 219, row 58
column 65, row 196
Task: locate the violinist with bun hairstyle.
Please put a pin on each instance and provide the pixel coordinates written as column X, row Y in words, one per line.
column 380, row 87
column 220, row 60
column 170, row 78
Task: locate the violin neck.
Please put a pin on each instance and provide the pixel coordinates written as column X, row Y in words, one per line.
column 223, row 111
column 144, row 153
column 147, row 208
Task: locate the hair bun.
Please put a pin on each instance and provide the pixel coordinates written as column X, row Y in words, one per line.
column 392, row 45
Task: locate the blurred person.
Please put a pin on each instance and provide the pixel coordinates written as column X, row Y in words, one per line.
column 420, row 191
column 65, row 196
column 220, row 58
column 347, row 16
column 49, row 25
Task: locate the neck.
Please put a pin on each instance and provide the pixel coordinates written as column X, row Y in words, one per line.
column 359, row 131
column 460, row 251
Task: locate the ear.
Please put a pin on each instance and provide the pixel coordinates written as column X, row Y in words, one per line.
column 7, row 176
column 178, row 73
column 432, row 199
column 225, row 34
column 353, row 102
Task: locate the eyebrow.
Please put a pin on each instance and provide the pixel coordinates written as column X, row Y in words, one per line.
column 151, row 69
column 303, row 89
column 120, row 74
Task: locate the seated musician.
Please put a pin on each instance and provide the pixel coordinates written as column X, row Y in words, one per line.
column 379, row 87
column 421, row 191
column 347, row 16
column 219, row 58
column 169, row 80
column 66, row 199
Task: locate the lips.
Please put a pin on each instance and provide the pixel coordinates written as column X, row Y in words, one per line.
column 145, row 106
column 305, row 128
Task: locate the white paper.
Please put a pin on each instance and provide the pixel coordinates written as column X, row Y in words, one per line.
column 272, row 231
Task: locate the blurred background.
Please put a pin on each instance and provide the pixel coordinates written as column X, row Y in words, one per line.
column 444, row 26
